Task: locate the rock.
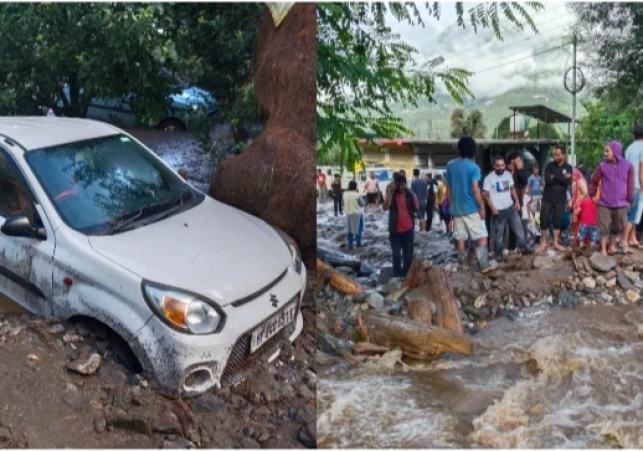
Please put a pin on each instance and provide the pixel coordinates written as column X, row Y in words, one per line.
column 634, row 277
column 602, row 263
column 332, row 345
column 624, row 282
column 393, row 285
column 56, row 329
column 306, row 438
column 167, row 425
column 567, row 299
column 100, row 424
column 480, row 302
column 610, row 283
column 632, row 296
column 396, row 309
column 542, row 262
column 207, row 402
column 606, row 297
column 5, row 434
column 364, row 347
column 310, row 379
column 375, row 300
column 420, row 310
column 127, row 422
column 600, row 280
column 361, row 298
column 386, row 274
column 305, row 392
column 478, row 313
column 71, row 338
column 588, row 282
column 87, row 368
column 364, row 306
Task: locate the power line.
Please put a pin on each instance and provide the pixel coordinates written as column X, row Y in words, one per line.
column 477, row 37
column 511, row 44
column 521, row 59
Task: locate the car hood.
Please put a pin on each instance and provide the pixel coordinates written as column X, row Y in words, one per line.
column 211, row 249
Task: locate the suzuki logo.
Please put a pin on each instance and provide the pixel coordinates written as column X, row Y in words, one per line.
column 274, row 301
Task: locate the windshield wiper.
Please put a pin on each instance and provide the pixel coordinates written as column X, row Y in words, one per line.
column 121, row 223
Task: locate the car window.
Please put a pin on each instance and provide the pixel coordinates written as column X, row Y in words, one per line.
column 14, row 198
column 95, row 183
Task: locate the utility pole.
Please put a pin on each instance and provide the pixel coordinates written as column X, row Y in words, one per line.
column 573, row 156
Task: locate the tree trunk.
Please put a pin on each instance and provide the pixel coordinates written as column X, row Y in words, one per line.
column 337, row 280
column 416, row 340
column 273, row 178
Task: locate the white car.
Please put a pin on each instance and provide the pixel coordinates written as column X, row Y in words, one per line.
column 93, row 224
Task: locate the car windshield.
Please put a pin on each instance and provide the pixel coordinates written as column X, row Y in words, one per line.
column 100, row 185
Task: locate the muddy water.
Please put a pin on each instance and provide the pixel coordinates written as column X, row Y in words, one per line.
column 553, row 378
column 557, row 378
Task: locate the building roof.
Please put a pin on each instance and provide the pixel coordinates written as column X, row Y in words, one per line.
column 543, row 114
column 454, row 141
column 36, row 132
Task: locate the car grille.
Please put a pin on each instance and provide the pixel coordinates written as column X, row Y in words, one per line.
column 241, row 360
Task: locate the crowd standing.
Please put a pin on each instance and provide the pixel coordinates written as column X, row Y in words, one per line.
column 604, row 208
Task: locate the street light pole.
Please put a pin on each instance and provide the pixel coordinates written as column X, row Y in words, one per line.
column 573, row 155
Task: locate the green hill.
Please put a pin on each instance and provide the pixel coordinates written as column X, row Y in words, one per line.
column 433, row 120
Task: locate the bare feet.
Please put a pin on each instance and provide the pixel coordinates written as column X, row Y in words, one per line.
column 559, row 248
column 543, row 247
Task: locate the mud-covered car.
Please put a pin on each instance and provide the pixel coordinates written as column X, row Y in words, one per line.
column 95, row 225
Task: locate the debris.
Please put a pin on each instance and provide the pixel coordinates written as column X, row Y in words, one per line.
column 602, row 263
column 369, row 348
column 337, row 280
column 87, row 368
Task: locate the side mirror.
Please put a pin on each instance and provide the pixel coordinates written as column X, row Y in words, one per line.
column 183, row 173
column 20, row 226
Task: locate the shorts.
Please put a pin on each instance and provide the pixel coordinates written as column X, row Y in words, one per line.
column 588, row 231
column 636, row 210
column 446, row 217
column 611, row 220
column 372, row 198
column 551, row 213
column 469, row 227
column 421, row 213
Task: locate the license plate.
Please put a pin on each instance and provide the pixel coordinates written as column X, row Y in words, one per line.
column 272, row 326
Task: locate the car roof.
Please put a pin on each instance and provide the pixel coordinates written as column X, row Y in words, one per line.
column 36, row 132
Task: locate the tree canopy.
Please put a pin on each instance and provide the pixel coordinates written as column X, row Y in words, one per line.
column 363, row 68
column 469, row 124
column 111, row 50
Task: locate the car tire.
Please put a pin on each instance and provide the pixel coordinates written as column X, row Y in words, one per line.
column 172, row 125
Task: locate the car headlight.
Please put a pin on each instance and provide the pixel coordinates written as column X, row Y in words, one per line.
column 294, row 249
column 184, row 311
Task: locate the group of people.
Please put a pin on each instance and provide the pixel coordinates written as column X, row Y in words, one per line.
column 599, row 208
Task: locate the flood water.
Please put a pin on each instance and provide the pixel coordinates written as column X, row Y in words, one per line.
column 554, row 378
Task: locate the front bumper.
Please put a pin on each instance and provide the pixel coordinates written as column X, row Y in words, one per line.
column 195, row 363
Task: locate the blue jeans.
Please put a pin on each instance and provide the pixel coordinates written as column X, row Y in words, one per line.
column 358, row 237
column 402, row 247
column 512, row 217
column 337, row 200
column 635, row 212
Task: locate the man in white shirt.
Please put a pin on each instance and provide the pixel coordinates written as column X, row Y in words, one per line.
column 500, row 194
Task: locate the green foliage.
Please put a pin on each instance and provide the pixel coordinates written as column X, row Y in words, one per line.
column 363, row 69
column 110, row 50
column 470, row 124
column 603, row 123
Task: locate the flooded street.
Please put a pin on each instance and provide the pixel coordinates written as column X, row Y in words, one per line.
column 548, row 377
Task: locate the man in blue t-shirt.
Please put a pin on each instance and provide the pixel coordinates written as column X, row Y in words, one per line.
column 466, row 205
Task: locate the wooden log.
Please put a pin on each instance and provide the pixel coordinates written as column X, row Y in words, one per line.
column 440, row 291
column 364, row 347
column 416, row 340
column 337, row 280
column 416, row 277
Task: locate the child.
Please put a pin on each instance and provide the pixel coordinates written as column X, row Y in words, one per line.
column 585, row 213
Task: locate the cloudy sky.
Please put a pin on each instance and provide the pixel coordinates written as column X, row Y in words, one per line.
column 499, row 65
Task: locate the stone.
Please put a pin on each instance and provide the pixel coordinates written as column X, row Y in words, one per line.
column 396, row 309
column 602, row 263
column 207, row 402
column 632, row 296
column 132, row 423
column 87, row 368
column 100, row 424
column 56, row 329
column 310, row 379
column 606, row 297
column 588, row 282
column 393, row 285
column 610, row 283
column 364, row 306
column 600, row 280
column 375, row 300
column 167, row 425
column 305, row 392
column 624, row 282
column 480, row 302
column 386, row 274
column 567, row 299
column 5, row 434
column 634, row 277
column 542, row 262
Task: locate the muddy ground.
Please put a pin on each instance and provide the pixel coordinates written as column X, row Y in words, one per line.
column 44, row 403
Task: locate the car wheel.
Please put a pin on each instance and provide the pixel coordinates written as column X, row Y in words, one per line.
column 172, row 125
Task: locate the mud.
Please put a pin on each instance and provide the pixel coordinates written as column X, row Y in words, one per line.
column 45, row 404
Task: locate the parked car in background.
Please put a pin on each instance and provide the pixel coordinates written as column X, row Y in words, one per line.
column 384, row 176
column 94, row 225
column 190, row 101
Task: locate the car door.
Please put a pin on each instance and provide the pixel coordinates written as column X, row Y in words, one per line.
column 26, row 267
